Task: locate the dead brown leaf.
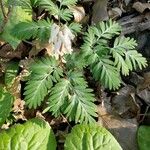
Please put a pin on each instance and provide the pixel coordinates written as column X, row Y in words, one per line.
column 125, row 104
column 124, row 130
column 141, row 7
column 146, row 83
column 78, row 13
column 8, row 52
column 99, row 11
column 145, row 95
column 114, row 13
column 18, row 109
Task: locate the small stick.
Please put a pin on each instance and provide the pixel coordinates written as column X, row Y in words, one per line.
column 3, row 10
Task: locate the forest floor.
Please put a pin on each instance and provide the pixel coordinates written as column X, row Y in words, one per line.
column 122, row 111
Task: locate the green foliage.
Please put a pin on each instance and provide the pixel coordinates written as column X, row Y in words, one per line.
column 17, row 14
column 144, row 137
column 125, row 55
column 6, row 102
column 57, row 83
column 75, row 27
column 72, row 97
column 25, row 4
column 90, row 137
column 11, row 72
column 26, row 30
column 35, row 134
column 61, row 82
column 43, row 73
column 108, row 63
column 61, row 12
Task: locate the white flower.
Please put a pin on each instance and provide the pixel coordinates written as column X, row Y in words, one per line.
column 61, row 41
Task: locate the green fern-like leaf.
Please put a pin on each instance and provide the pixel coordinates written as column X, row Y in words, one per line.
column 134, row 59
column 65, row 14
column 27, row 30
column 68, row 2
column 107, row 29
column 43, row 73
column 105, row 71
column 58, row 96
column 58, row 12
column 81, row 107
column 99, row 34
column 75, row 27
column 98, row 54
column 126, row 58
column 73, row 98
column 48, row 5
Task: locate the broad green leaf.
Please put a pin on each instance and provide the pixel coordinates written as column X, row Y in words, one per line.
column 144, row 137
column 17, row 14
column 6, row 101
column 35, row 134
column 11, row 72
column 90, row 137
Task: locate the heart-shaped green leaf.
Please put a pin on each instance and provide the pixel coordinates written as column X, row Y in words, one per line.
column 35, row 134
column 91, row 137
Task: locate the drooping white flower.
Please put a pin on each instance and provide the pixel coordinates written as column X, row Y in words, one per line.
column 61, row 41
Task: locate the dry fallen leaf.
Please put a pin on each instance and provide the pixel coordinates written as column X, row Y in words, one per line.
column 141, row 7
column 125, row 103
column 127, row 2
column 146, row 83
column 99, row 11
column 78, row 13
column 114, row 13
column 18, row 109
column 124, row 130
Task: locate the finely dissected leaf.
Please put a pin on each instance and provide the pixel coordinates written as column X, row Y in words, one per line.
column 144, row 137
column 11, row 72
column 27, row 30
column 75, row 27
column 48, row 5
column 65, row 14
column 98, row 35
column 106, row 73
column 6, row 102
column 68, row 2
column 107, row 30
column 125, row 55
column 57, row 11
column 135, row 59
column 43, row 73
column 81, row 107
column 58, row 96
column 98, row 54
column 73, row 98
column 35, row 134
column 90, row 137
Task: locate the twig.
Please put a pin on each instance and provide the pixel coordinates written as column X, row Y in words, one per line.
column 6, row 16
column 2, row 8
column 143, row 117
